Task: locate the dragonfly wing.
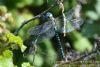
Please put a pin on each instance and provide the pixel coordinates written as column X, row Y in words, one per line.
column 69, row 15
column 76, row 23
column 59, row 20
column 71, row 22
column 49, row 34
column 40, row 29
column 70, row 25
column 35, row 30
column 59, row 24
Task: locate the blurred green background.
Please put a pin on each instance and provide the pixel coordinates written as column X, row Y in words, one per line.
column 14, row 12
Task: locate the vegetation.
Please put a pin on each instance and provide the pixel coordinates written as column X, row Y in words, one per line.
column 19, row 51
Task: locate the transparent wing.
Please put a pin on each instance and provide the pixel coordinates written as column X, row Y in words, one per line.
column 40, row 29
column 76, row 23
column 48, row 34
column 71, row 22
column 69, row 15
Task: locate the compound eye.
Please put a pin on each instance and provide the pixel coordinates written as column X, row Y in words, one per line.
column 48, row 15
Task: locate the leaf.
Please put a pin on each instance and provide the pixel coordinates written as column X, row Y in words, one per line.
column 97, row 7
column 91, row 29
column 38, row 2
column 93, row 15
column 26, row 64
column 81, row 43
column 7, row 54
column 6, row 59
column 15, row 40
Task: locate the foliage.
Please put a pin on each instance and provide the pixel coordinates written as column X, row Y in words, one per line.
column 15, row 40
column 16, row 51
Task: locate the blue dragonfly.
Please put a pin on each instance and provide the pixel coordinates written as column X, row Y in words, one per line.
column 53, row 25
column 47, row 27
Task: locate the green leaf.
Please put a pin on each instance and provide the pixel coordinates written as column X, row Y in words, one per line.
column 3, row 9
column 7, row 54
column 97, row 6
column 38, row 2
column 6, row 59
column 91, row 29
column 81, row 43
column 15, row 40
column 92, row 15
column 26, row 65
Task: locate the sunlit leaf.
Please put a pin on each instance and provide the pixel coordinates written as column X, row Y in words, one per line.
column 81, row 43
column 6, row 59
column 92, row 15
column 97, row 6
column 25, row 64
column 16, row 40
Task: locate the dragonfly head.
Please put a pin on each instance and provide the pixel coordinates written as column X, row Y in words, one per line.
column 48, row 15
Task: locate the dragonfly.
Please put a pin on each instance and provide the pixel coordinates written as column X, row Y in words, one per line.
column 53, row 25
column 47, row 28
